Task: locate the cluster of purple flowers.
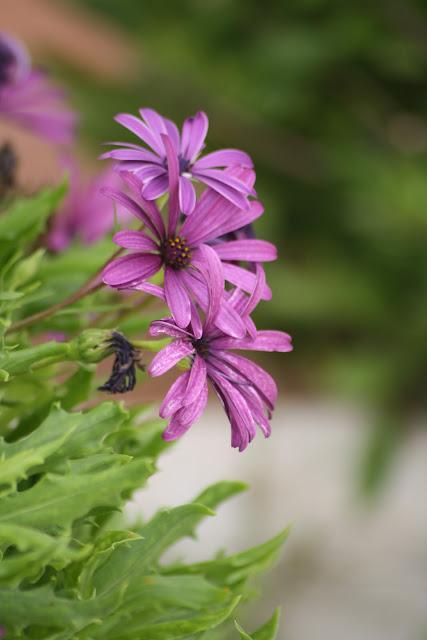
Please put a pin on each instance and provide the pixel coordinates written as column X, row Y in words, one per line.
column 213, row 277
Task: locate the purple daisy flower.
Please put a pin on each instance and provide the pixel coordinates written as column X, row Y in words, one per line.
column 195, row 262
column 247, row 392
column 83, row 212
column 28, row 98
column 151, row 166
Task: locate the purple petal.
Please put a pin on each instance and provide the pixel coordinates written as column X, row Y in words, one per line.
column 207, row 262
column 214, row 216
column 265, row 341
column 152, row 289
column 244, row 279
column 149, row 216
column 173, row 133
column 154, row 121
column 173, row 183
column 167, row 326
column 187, row 195
column 224, row 158
column 169, row 356
column 196, row 381
column 149, row 172
column 149, row 208
column 155, row 188
column 196, row 323
column 262, row 380
column 131, row 269
column 247, row 250
column 186, row 416
column 134, row 124
column 237, row 196
column 135, row 240
column 239, row 414
column 177, row 298
column 135, row 155
column 194, row 132
column 174, row 397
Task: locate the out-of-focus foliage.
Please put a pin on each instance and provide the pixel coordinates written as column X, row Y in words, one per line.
column 70, row 567
column 330, row 98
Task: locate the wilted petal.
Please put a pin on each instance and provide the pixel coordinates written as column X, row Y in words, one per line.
column 169, row 356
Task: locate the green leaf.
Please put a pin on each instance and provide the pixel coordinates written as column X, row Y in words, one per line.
column 267, row 632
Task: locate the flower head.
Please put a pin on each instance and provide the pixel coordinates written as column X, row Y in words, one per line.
column 194, row 259
column 83, row 213
column 247, row 392
column 28, row 98
column 151, row 167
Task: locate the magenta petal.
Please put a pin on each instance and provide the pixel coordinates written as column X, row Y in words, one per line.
column 175, row 429
column 262, row 380
column 135, row 240
column 187, row 195
column 173, row 133
column 155, row 187
column 194, row 132
column 131, row 269
column 265, row 341
column 229, row 321
column 196, row 381
column 169, row 356
column 207, row 262
column 177, row 298
column 167, row 327
column 196, row 323
column 141, row 130
column 152, row 289
column 149, row 217
column 247, row 250
column 174, row 397
column 134, row 155
column 224, row 158
column 147, row 172
column 173, row 183
column 191, row 412
column 237, row 196
column 154, row 120
column 244, row 279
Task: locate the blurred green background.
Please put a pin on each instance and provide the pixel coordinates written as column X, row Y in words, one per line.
column 330, row 99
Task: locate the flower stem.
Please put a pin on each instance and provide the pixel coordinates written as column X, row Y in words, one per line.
column 92, row 285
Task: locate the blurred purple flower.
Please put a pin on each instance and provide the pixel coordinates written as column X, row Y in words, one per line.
column 28, row 98
column 151, row 166
column 194, row 262
column 247, row 392
column 84, row 213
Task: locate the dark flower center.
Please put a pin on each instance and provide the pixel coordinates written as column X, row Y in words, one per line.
column 7, row 60
column 184, row 164
column 201, row 346
column 176, row 253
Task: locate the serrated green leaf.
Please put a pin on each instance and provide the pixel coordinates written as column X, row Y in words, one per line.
column 55, row 502
column 268, row 631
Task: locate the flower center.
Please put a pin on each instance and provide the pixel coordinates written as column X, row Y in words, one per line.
column 201, row 346
column 184, row 164
column 176, row 253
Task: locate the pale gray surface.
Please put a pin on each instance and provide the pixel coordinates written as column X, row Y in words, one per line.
column 349, row 571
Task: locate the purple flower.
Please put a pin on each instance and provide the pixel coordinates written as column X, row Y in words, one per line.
column 195, row 262
column 83, row 213
column 247, row 392
column 28, row 98
column 151, row 166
